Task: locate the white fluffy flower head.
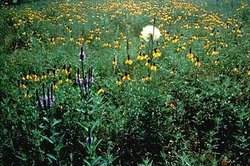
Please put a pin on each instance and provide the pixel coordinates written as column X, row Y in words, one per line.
column 150, row 31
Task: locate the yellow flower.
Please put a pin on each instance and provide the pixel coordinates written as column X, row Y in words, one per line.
column 126, row 77
column 79, row 43
column 98, row 38
column 216, row 61
column 43, row 77
column 178, row 49
column 197, row 63
column 60, row 81
column 68, row 80
column 140, row 57
column 156, row 53
column 128, row 62
column 236, row 69
column 29, row 77
column 57, row 71
column 193, row 60
column 170, row 105
column 22, row 86
column 173, row 71
column 175, row 39
column 52, row 41
column 196, row 26
column 114, row 62
column 153, row 67
column 87, row 42
column 147, row 64
column 71, row 39
column 36, row 78
column 141, row 47
column 147, row 79
column 54, row 87
column 65, row 71
column 248, row 72
column 100, row 91
column 116, row 44
column 145, row 57
column 118, row 82
column 214, row 52
column 107, row 45
column 190, row 55
column 26, row 96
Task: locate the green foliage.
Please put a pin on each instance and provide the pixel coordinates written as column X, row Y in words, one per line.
column 180, row 100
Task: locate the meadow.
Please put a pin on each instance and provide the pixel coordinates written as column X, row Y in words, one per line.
column 125, row 83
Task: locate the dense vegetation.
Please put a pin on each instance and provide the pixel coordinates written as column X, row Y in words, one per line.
column 80, row 85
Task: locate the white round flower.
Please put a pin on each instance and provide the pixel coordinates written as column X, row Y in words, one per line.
column 150, row 31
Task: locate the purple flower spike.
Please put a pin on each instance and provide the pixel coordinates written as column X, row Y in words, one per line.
column 45, row 103
column 91, row 75
column 79, row 80
column 85, row 87
column 46, row 100
column 82, row 55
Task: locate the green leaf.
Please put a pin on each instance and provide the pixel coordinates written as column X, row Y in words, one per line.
column 96, row 161
column 46, row 119
column 23, row 157
column 55, row 122
column 79, row 110
column 88, row 163
column 58, row 147
column 85, row 128
column 51, row 156
column 48, row 139
column 94, row 126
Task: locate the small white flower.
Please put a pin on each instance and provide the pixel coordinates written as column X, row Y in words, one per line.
column 150, row 31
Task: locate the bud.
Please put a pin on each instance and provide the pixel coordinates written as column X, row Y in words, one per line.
column 89, row 139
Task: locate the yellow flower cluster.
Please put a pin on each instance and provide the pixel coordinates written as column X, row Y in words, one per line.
column 128, row 62
column 141, row 57
column 194, row 59
column 59, row 75
column 156, row 53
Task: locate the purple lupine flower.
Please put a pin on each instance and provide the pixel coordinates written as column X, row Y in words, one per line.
column 79, row 80
column 46, row 100
column 45, row 103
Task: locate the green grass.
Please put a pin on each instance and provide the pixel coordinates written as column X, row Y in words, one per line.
column 193, row 109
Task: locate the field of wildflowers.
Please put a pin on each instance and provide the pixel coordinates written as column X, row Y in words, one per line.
column 125, row 82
